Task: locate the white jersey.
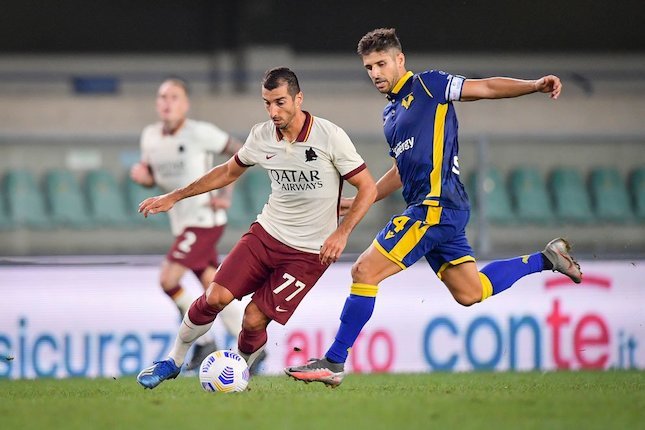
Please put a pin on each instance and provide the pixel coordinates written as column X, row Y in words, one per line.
column 179, row 159
column 306, row 179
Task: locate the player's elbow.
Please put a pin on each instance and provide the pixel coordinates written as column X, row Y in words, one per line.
column 367, row 188
column 371, row 192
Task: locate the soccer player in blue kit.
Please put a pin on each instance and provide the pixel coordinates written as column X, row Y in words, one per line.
column 420, row 126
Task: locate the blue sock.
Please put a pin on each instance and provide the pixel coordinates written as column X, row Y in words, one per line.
column 504, row 273
column 356, row 312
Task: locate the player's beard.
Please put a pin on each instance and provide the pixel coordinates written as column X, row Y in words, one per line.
column 386, row 86
column 283, row 123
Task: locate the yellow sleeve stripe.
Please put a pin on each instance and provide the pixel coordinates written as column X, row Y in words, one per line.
column 424, row 87
column 365, row 290
column 487, row 286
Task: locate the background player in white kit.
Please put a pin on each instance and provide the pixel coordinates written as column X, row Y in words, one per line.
column 297, row 235
column 175, row 151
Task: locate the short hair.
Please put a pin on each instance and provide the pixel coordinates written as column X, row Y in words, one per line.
column 177, row 81
column 380, row 39
column 279, row 76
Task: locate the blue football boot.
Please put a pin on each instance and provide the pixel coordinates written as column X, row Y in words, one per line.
column 154, row 375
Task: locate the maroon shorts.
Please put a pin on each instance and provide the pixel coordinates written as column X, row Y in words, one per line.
column 279, row 275
column 195, row 248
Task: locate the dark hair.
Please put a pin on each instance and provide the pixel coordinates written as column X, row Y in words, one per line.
column 380, row 39
column 279, row 76
column 180, row 82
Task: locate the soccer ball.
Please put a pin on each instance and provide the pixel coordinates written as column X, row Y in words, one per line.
column 225, row 372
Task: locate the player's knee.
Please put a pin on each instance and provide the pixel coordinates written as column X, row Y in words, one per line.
column 167, row 282
column 467, row 298
column 361, row 272
column 218, row 297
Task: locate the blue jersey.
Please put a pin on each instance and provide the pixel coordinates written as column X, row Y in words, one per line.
column 420, row 126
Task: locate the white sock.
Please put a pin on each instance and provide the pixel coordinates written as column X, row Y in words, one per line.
column 183, row 300
column 231, row 317
column 250, row 358
column 187, row 334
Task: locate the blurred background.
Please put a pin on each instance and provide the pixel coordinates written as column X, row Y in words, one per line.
column 78, row 82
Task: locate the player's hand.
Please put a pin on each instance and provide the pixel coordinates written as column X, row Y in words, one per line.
column 154, row 205
column 140, row 173
column 333, row 247
column 345, row 204
column 220, row 202
column 549, row 84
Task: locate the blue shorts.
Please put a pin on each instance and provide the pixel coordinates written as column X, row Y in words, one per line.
column 433, row 232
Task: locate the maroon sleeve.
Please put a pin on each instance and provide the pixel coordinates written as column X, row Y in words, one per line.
column 239, row 162
column 353, row 172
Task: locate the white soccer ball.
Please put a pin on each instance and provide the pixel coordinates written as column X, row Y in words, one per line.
column 225, row 372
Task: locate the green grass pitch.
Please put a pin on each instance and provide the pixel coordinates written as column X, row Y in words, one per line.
column 454, row 401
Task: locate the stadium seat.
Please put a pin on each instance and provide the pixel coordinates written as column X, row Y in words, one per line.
column 498, row 203
column 135, row 194
column 571, row 201
column 5, row 221
column 107, row 205
column 240, row 214
column 637, row 188
column 258, row 187
column 24, row 200
column 65, row 200
column 531, row 199
column 609, row 194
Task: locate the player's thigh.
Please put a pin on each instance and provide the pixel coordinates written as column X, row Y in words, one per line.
column 373, row 266
column 195, row 247
column 293, row 276
column 413, row 234
column 451, row 246
column 170, row 274
column 463, row 282
column 247, row 266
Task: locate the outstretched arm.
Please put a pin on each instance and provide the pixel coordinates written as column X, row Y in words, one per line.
column 499, row 88
column 336, row 242
column 216, row 178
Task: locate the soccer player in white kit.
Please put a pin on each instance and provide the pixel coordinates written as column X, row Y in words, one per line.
column 175, row 151
column 297, row 235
